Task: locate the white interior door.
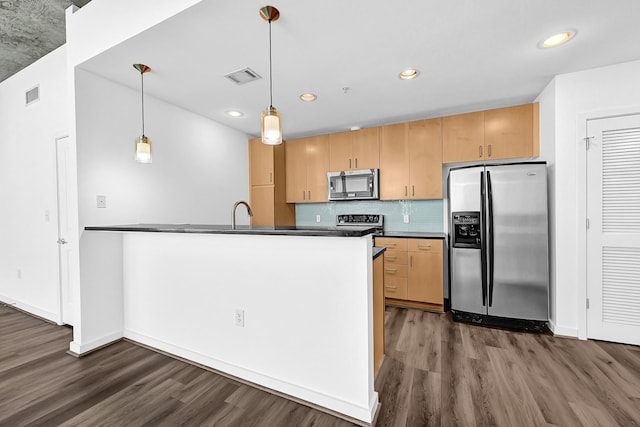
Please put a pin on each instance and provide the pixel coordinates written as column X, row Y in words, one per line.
column 613, row 236
column 63, row 146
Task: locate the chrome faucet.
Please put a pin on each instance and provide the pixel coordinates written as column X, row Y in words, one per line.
column 233, row 214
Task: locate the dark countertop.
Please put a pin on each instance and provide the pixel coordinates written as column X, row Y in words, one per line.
column 377, row 251
column 240, row 229
column 415, row 234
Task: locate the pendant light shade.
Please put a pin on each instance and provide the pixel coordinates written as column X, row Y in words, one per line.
column 142, row 143
column 271, row 124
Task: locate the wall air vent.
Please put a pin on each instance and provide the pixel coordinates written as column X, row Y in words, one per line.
column 243, row 76
column 32, row 95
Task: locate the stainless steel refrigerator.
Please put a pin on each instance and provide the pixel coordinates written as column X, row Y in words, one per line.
column 499, row 245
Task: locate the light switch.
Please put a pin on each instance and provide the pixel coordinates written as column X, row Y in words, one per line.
column 101, row 201
column 405, row 219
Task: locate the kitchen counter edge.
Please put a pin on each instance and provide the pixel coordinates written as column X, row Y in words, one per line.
column 241, row 229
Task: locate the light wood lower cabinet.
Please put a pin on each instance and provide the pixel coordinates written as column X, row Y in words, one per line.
column 413, row 272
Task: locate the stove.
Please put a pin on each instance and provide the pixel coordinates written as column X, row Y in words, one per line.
column 362, row 220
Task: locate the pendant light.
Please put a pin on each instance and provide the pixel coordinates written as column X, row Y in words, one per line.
column 143, row 143
column 271, row 124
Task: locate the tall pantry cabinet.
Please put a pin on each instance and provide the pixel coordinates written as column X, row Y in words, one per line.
column 267, row 185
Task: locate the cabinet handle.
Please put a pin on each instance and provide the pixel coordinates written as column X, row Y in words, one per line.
column 309, row 198
column 390, row 257
column 391, row 287
column 356, row 163
column 391, row 244
column 413, row 190
column 405, row 190
column 411, row 261
column 349, row 163
column 489, row 150
column 480, row 150
column 424, row 246
column 270, row 176
column 304, row 195
column 390, row 270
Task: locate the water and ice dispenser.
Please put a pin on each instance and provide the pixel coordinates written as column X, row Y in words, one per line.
column 466, row 230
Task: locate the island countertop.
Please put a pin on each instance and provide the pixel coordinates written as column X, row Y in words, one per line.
column 240, row 229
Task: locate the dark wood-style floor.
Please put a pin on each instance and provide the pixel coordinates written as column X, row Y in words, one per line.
column 436, row 372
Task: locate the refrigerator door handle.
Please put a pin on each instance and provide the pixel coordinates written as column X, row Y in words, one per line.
column 483, row 239
column 490, row 235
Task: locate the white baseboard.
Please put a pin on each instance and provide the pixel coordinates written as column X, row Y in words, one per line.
column 80, row 349
column 287, row 389
column 562, row 330
column 44, row 314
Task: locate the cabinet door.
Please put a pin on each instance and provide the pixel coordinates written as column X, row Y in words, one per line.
column 260, row 163
column 463, row 137
column 262, row 204
column 317, row 159
column 366, row 148
column 508, row 132
column 296, row 170
column 394, row 162
column 340, row 151
column 425, row 159
column 425, row 281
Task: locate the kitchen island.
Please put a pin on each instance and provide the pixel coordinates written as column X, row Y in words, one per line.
column 285, row 308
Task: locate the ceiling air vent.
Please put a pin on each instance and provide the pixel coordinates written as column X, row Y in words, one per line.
column 243, row 76
column 32, row 95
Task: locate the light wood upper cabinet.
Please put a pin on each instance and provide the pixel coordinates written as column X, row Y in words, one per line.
column 508, row 132
column 307, row 164
column 394, row 161
column 425, row 161
column 463, row 137
column 502, row 133
column 261, row 162
column 359, row 149
column 267, row 185
column 411, row 160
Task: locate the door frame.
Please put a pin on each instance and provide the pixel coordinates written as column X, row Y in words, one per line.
column 581, row 128
column 60, row 296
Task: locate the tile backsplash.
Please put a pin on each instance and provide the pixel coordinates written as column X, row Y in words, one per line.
column 424, row 215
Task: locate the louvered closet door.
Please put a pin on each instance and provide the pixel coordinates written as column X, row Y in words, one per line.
column 613, row 237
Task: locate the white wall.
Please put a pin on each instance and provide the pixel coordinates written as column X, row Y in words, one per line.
column 28, row 207
column 103, row 24
column 199, row 169
column 577, row 95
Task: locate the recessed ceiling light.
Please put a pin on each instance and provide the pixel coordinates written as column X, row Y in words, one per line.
column 308, row 97
column 234, row 113
column 409, row 74
column 557, row 39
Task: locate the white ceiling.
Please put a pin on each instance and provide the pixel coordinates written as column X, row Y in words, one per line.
column 472, row 55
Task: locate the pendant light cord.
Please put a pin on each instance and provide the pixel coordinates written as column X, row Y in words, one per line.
column 142, row 80
column 270, row 70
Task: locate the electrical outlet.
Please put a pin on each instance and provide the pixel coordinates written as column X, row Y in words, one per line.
column 101, row 201
column 405, row 219
column 317, row 218
column 239, row 318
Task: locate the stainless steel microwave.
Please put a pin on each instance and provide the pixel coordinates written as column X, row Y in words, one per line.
column 353, row 185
